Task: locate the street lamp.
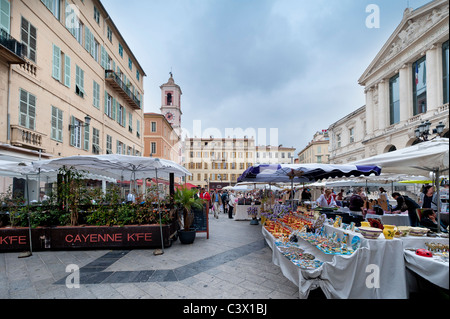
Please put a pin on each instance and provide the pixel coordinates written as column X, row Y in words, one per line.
column 87, row 121
column 422, row 132
column 207, row 182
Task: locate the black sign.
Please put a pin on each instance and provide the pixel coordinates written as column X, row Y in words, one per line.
column 201, row 220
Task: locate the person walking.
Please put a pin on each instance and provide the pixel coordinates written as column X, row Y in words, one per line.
column 217, row 202
column 225, row 202
column 231, row 204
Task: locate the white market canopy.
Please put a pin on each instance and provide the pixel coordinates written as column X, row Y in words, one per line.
column 121, row 167
column 419, row 159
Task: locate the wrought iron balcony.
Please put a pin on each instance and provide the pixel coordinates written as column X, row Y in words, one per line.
column 10, row 49
column 116, row 82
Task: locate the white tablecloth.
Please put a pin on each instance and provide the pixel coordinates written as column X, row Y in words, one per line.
column 345, row 276
column 392, row 219
column 241, row 212
column 433, row 269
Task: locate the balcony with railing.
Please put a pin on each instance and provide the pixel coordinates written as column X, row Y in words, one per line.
column 116, row 82
column 26, row 138
column 10, row 49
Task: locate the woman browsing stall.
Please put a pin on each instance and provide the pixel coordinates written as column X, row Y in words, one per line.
column 326, row 199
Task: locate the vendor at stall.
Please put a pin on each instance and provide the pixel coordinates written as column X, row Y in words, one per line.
column 326, row 199
column 357, row 201
column 405, row 203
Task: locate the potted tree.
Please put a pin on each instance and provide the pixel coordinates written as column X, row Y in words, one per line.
column 185, row 201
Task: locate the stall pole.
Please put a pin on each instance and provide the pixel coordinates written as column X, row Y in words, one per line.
column 436, row 182
column 157, row 252
column 28, row 253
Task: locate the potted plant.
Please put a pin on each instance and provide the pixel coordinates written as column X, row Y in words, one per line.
column 253, row 212
column 185, row 201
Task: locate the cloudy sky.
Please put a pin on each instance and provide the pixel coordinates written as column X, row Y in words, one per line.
column 253, row 65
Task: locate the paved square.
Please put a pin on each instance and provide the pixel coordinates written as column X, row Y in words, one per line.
column 233, row 263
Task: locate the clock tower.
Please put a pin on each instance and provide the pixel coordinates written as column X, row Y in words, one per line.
column 171, row 103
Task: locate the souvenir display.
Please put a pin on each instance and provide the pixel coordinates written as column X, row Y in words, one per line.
column 389, row 231
column 338, row 222
column 298, row 256
column 402, row 231
column 370, row 232
column 352, row 226
column 418, row 231
column 355, row 242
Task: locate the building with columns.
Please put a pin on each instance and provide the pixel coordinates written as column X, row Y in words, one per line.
column 406, row 84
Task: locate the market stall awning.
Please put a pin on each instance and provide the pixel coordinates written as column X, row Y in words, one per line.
column 121, row 167
column 299, row 173
column 418, row 159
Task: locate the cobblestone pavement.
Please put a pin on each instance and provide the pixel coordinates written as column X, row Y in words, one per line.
column 233, row 263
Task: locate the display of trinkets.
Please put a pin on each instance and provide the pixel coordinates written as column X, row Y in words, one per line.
column 298, row 256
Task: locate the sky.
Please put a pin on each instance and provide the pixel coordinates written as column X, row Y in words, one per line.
column 281, row 70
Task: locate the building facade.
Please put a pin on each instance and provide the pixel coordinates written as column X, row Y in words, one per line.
column 317, row 150
column 78, row 88
column 274, row 154
column 218, row 162
column 160, row 139
column 406, row 84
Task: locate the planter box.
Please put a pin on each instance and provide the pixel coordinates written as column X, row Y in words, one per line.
column 88, row 237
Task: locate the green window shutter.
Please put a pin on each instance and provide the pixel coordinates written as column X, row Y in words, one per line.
column 86, row 138
column 5, row 13
column 54, row 122
column 67, row 71
column 124, row 117
column 113, row 112
column 87, row 39
column 72, row 131
column 106, row 102
column 56, row 70
column 103, row 58
column 96, row 95
column 59, row 135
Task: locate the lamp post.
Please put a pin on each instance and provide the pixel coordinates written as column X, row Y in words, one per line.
column 422, row 132
column 87, row 122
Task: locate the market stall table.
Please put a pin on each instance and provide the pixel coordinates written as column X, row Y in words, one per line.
column 242, row 214
column 392, row 219
column 434, row 269
column 376, row 270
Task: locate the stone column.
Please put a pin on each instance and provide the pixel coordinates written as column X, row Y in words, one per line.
column 369, row 112
column 383, row 104
column 434, row 74
column 405, row 87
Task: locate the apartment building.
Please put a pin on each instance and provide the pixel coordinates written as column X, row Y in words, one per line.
column 406, row 84
column 160, row 138
column 317, row 150
column 268, row 154
column 69, row 83
column 218, row 162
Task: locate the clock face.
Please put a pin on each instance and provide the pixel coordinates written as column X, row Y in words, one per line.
column 169, row 116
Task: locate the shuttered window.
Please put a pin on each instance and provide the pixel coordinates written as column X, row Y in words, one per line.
column 96, row 95
column 5, row 15
column 56, row 63
column 57, row 124
column 79, row 81
column 28, row 33
column 27, row 110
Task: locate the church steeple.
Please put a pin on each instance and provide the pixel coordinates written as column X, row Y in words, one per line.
column 171, row 102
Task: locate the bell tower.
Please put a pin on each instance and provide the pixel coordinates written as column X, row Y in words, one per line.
column 171, row 102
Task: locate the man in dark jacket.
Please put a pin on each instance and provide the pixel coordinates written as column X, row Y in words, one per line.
column 411, row 206
column 225, row 202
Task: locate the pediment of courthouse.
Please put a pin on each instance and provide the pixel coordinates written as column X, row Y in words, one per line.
column 419, row 30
